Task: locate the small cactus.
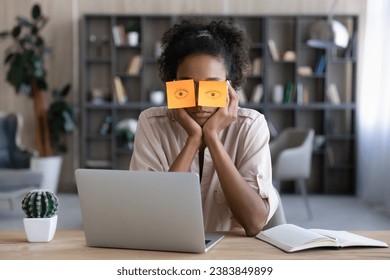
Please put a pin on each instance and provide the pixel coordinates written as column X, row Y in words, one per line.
column 40, row 204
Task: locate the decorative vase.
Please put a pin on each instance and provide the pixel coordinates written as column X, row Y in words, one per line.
column 40, row 229
column 277, row 96
column 157, row 97
column 133, row 38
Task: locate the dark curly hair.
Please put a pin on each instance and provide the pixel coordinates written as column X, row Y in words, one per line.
column 217, row 38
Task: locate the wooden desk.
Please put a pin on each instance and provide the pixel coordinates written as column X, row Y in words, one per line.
column 70, row 245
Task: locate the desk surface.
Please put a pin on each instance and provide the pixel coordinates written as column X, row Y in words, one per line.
column 70, row 245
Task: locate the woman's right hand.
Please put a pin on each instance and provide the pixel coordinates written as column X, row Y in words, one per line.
column 184, row 159
column 189, row 124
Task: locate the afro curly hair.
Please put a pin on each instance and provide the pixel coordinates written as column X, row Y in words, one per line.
column 217, row 38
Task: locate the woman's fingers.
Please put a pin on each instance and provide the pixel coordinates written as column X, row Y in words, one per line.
column 233, row 100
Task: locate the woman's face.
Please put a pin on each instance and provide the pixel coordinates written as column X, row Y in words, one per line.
column 201, row 67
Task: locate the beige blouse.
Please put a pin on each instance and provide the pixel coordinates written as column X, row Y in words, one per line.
column 159, row 140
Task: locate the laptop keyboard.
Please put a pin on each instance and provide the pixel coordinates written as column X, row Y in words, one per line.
column 207, row 241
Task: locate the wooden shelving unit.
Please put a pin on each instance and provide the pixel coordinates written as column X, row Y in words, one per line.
column 334, row 163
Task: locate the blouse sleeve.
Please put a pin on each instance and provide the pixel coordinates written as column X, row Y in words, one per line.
column 147, row 152
column 255, row 165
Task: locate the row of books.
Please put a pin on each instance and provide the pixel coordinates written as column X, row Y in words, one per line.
column 134, row 65
column 299, row 94
column 256, row 67
column 319, row 68
column 293, row 93
column 255, row 97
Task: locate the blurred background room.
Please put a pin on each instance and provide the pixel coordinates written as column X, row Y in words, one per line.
column 320, row 72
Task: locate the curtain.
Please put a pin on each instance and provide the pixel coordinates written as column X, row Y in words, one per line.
column 373, row 109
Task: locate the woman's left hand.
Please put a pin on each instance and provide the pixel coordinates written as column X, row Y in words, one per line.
column 224, row 116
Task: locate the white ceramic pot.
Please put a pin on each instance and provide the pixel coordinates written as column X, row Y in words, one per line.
column 40, row 229
column 278, row 94
column 50, row 167
column 157, row 97
column 133, row 38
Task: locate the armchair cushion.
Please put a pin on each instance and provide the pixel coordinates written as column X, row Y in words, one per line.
column 11, row 155
column 18, row 179
column 4, row 153
column 291, row 153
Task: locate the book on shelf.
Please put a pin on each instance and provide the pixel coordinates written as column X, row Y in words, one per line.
column 106, row 126
column 330, row 155
column 273, row 50
column 134, row 65
column 288, row 95
column 257, row 93
column 242, row 97
column 119, row 35
column 120, row 91
column 306, row 96
column 350, row 50
column 256, row 66
column 292, row 238
column 299, row 94
column 319, row 69
column 333, row 94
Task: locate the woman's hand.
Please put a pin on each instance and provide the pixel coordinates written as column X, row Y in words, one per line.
column 189, row 124
column 184, row 160
column 224, row 116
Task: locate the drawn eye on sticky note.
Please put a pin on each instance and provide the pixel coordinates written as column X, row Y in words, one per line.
column 212, row 93
column 180, row 94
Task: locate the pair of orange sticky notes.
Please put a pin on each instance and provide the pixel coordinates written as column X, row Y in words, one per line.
column 181, row 94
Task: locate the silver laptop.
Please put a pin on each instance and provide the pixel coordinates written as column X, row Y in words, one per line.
column 143, row 210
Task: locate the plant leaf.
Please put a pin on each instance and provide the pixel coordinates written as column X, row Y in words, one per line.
column 15, row 75
column 65, row 90
column 42, row 84
column 39, row 42
column 3, row 34
column 34, row 30
column 23, row 21
column 8, row 58
column 16, row 31
column 36, row 12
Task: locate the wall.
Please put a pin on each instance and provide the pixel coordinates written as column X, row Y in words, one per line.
column 62, row 34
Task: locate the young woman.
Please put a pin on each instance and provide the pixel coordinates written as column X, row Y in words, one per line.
column 227, row 147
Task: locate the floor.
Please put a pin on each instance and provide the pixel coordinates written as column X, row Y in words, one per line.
column 330, row 212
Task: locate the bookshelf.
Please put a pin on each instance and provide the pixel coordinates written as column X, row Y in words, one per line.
column 309, row 77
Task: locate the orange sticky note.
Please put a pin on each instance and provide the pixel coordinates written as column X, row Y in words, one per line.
column 212, row 93
column 180, row 94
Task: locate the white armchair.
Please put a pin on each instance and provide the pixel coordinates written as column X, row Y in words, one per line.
column 291, row 154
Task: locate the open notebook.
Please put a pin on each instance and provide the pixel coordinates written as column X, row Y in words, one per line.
column 292, row 238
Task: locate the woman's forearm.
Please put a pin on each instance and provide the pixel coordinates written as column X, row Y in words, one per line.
column 250, row 210
column 184, row 160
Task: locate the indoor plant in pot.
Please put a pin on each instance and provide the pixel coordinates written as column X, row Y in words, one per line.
column 61, row 122
column 27, row 74
column 41, row 222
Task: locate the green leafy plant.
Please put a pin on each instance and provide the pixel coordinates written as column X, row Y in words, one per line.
column 61, row 119
column 40, row 204
column 27, row 74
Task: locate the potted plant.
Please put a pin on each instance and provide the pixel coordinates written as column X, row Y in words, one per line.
column 61, row 122
column 27, row 74
column 41, row 222
column 132, row 29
